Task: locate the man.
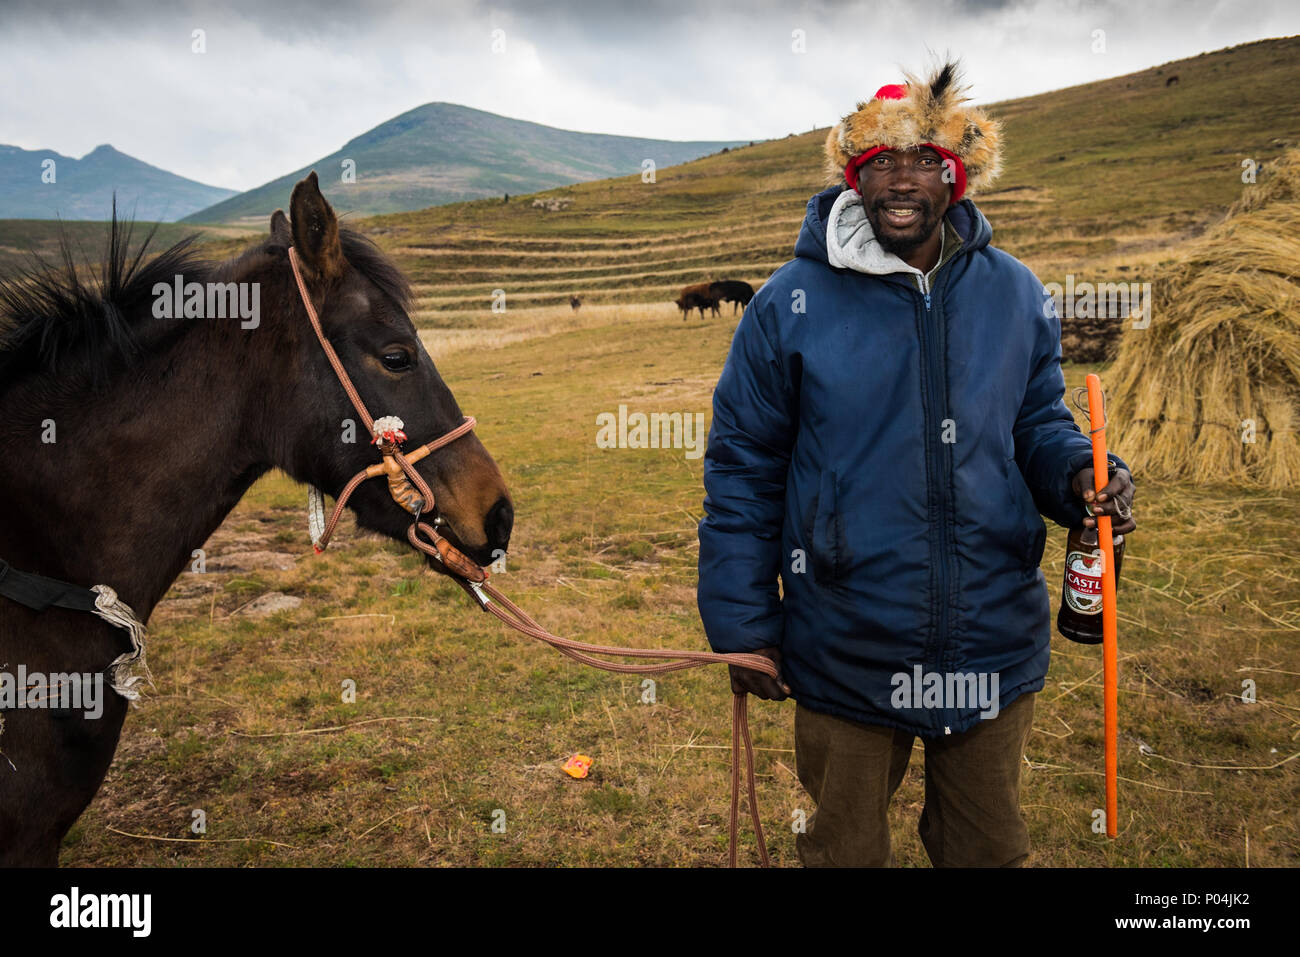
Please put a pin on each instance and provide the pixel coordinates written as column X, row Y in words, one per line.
column 888, row 426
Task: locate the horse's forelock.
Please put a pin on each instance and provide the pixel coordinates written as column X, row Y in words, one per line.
column 369, row 260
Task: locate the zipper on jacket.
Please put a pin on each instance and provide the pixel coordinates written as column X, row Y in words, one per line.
column 933, row 456
column 933, row 358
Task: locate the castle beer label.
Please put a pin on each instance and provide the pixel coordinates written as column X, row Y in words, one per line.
column 1079, row 618
column 1083, row 581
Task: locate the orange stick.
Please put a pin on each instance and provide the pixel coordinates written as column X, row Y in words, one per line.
column 1109, row 622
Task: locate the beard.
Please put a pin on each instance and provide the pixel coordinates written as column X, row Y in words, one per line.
column 901, row 242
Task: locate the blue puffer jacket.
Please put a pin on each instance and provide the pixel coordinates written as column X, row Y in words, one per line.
column 888, row 452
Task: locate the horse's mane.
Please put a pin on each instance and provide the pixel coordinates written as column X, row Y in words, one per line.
column 54, row 320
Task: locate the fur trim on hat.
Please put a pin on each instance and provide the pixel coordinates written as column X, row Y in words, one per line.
column 932, row 112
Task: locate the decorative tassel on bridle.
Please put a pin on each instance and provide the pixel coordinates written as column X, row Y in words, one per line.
column 389, row 437
column 396, row 466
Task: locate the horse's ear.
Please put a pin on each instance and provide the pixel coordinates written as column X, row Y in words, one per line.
column 281, row 232
column 316, row 230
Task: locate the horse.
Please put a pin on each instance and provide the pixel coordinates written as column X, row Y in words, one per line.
column 126, row 437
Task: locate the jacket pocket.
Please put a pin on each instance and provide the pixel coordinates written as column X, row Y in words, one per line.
column 829, row 553
column 1031, row 533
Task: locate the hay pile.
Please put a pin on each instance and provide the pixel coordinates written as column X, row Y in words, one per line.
column 1222, row 351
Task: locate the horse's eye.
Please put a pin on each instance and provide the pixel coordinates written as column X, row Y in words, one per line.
column 397, row 361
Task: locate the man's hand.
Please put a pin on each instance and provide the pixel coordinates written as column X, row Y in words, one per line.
column 1115, row 500
column 745, row 680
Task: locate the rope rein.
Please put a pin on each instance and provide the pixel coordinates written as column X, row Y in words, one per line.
column 474, row 580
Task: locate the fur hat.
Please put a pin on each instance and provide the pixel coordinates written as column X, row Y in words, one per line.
column 920, row 113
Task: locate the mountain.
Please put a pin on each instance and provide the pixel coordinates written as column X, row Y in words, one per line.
column 83, row 188
column 1102, row 181
column 443, row 153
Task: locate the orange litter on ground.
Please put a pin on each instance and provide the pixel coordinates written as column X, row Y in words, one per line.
column 577, row 766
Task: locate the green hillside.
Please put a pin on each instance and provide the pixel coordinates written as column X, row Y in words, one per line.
column 440, row 153
column 1102, row 178
column 84, row 188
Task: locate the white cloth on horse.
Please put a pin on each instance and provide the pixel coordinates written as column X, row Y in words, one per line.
column 122, row 673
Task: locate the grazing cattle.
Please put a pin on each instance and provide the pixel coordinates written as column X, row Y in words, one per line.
column 574, row 303
column 733, row 291
column 698, row 297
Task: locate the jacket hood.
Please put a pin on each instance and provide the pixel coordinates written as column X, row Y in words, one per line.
column 971, row 226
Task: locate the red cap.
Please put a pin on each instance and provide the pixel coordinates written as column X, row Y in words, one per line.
column 896, row 91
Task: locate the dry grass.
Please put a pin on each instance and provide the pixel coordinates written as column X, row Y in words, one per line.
column 523, row 324
column 1212, row 386
column 457, row 718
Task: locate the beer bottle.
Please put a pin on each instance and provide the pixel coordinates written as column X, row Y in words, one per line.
column 1080, row 616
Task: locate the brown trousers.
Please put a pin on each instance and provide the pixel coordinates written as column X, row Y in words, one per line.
column 971, row 816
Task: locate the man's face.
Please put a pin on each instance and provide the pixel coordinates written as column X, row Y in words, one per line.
column 905, row 196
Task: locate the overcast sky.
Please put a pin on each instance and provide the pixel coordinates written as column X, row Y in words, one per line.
column 283, row 82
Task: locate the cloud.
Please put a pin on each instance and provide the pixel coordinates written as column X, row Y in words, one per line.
column 283, row 83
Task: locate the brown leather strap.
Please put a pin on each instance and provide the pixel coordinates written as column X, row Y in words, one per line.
column 518, row 619
column 404, row 460
column 474, row 579
column 330, row 354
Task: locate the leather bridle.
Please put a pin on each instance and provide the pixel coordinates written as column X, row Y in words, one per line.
column 410, row 491
column 404, row 482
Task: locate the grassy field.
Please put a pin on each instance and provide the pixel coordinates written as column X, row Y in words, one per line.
column 456, row 717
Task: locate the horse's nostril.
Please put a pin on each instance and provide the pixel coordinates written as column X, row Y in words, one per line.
column 498, row 523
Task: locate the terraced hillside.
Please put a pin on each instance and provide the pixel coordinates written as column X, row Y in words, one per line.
column 1101, row 180
column 733, row 216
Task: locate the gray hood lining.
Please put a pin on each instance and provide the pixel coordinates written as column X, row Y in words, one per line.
column 851, row 244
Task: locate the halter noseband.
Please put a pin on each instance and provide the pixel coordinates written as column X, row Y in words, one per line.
column 407, row 487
